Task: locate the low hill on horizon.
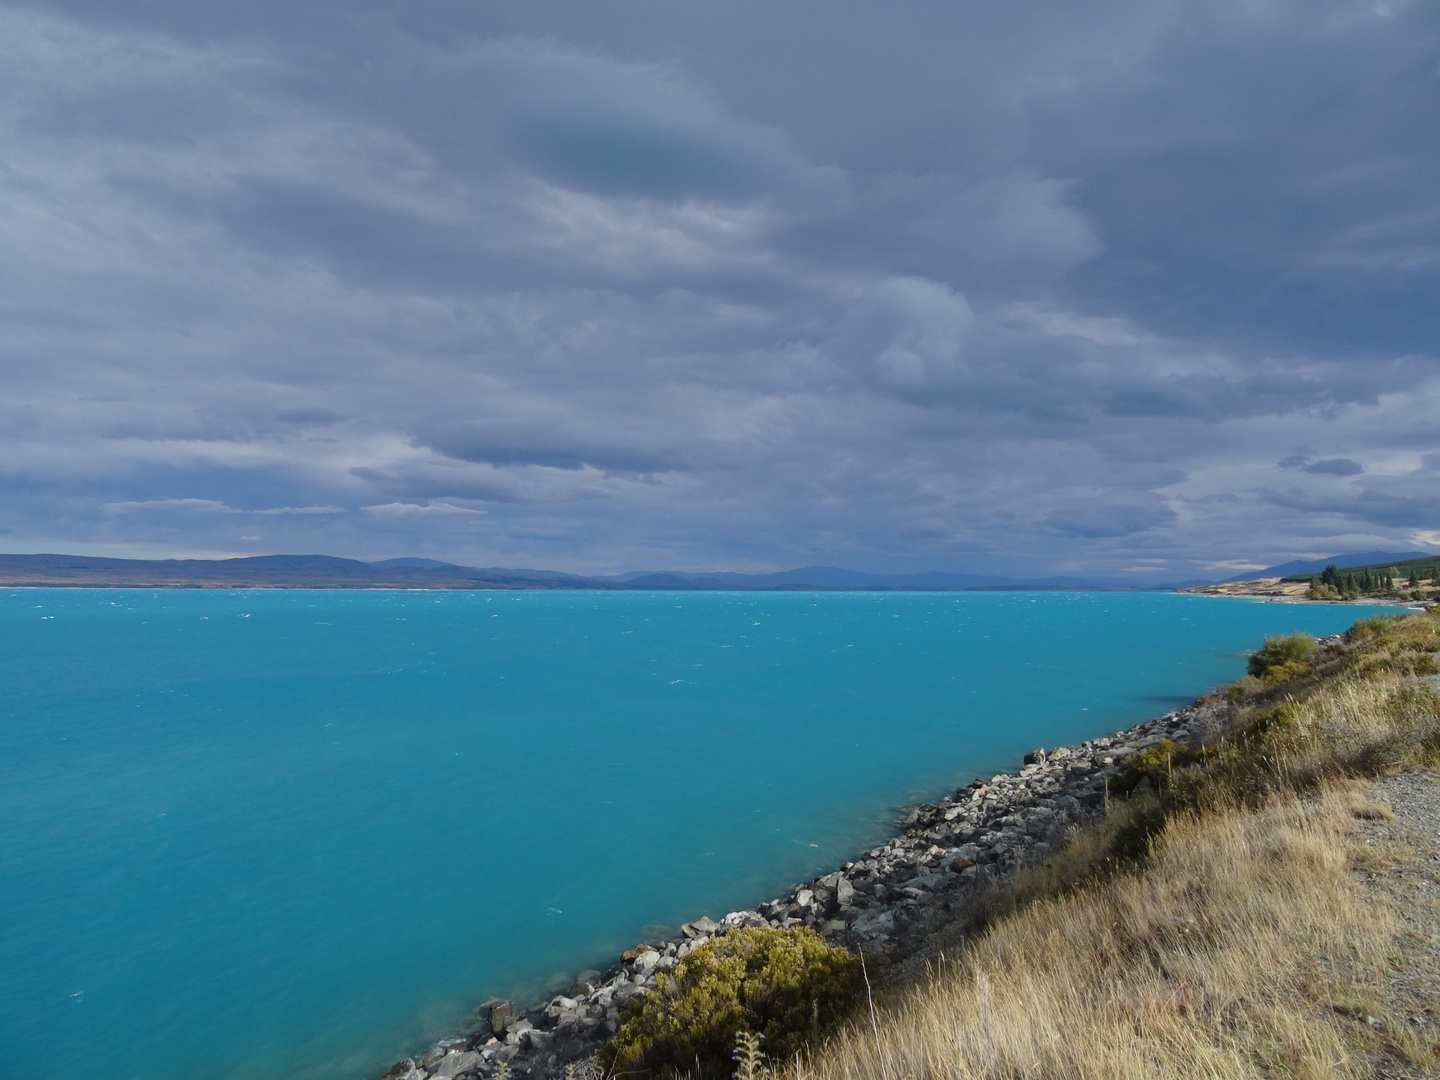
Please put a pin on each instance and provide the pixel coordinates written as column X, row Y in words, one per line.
column 332, row 572
column 244, row 572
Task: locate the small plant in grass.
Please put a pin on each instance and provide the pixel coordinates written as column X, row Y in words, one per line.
column 1143, row 819
column 749, row 1058
column 1155, row 766
column 1243, row 687
column 785, row 986
column 1282, row 657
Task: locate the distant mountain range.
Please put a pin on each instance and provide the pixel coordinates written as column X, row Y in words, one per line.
column 830, row 577
column 329, row 572
column 269, row 572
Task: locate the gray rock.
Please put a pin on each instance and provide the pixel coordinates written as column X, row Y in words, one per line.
column 536, row 1041
column 875, row 924
column 454, row 1063
column 624, row 993
column 585, row 982
column 701, row 927
column 743, row 918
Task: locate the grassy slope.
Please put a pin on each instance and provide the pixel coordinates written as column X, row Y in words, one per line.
column 1240, row 947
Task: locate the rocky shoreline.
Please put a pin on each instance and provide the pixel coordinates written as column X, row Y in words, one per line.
column 948, row 858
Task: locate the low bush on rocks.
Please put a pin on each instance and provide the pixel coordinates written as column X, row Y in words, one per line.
column 1154, row 766
column 1282, row 658
column 786, row 986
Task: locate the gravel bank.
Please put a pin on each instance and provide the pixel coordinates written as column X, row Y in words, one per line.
column 1405, row 876
column 888, row 901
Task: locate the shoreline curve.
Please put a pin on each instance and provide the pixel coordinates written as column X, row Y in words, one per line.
column 888, row 901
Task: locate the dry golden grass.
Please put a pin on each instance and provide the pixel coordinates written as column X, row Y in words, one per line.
column 1242, row 947
column 1362, row 726
column 1205, row 964
column 1361, row 805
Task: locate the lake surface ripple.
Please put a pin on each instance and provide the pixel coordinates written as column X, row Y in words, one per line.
column 295, row 834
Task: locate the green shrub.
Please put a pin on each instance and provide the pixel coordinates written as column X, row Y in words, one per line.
column 1268, row 730
column 1240, row 770
column 1279, row 651
column 1141, row 820
column 1375, row 626
column 1155, row 765
column 787, row 986
column 1395, row 661
column 1291, row 669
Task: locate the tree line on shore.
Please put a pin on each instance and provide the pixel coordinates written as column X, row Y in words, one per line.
column 1415, row 582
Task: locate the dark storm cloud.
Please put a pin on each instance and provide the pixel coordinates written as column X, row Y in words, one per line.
column 1335, row 467
column 1402, row 502
column 623, row 129
column 1109, row 514
column 965, row 286
column 508, row 442
column 1297, row 459
column 1283, row 151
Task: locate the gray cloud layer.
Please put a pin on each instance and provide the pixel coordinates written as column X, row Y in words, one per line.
column 1036, row 288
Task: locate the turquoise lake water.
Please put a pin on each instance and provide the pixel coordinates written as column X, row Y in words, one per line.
column 299, row 834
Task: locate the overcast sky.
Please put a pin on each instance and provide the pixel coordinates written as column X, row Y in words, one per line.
column 1024, row 287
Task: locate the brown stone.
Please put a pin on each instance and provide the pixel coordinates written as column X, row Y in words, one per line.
column 502, row 1015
